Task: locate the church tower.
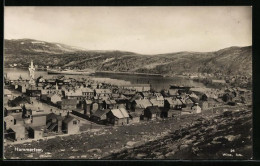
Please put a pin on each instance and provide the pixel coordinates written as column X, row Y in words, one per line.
column 31, row 72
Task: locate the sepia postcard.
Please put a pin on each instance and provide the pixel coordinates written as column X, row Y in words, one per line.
column 127, row 83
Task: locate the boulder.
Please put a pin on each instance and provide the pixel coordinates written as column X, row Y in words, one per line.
column 83, row 156
column 130, row 143
column 170, row 154
column 141, row 155
column 30, row 156
column 183, row 147
column 94, row 150
column 161, row 157
column 232, row 137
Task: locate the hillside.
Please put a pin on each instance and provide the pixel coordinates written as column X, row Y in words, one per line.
column 232, row 60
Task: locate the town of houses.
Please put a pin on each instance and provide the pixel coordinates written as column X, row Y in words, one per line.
column 48, row 107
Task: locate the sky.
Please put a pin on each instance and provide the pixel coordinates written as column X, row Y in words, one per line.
column 146, row 30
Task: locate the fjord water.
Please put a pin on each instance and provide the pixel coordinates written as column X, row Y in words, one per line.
column 157, row 82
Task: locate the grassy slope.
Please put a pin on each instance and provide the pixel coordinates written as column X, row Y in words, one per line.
column 203, row 136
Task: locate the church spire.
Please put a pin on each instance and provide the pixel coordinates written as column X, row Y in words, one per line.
column 57, row 86
column 31, row 71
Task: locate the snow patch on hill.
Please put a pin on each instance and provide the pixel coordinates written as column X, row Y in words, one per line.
column 37, row 42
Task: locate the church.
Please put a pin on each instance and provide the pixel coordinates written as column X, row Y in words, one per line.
column 32, row 90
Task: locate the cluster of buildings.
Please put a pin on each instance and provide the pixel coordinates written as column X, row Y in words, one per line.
column 98, row 102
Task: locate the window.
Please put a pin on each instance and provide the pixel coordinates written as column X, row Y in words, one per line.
column 74, row 122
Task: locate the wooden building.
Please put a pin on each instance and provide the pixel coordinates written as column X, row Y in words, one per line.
column 68, row 104
column 118, row 117
column 100, row 115
column 152, row 113
column 70, row 125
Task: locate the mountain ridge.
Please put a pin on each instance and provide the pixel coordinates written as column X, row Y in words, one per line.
column 227, row 61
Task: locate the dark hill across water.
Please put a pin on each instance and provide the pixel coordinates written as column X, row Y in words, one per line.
column 232, row 60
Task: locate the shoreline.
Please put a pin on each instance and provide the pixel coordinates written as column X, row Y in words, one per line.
column 128, row 73
column 110, row 72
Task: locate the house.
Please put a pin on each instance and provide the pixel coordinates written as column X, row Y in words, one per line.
column 121, row 103
column 137, row 87
column 103, row 93
column 38, row 120
column 100, row 115
column 9, row 121
column 176, row 90
column 40, row 80
column 158, row 101
column 94, row 85
column 196, row 108
column 87, row 106
column 136, row 96
column 173, row 92
column 22, row 87
column 36, row 132
column 87, row 93
column 193, row 95
column 74, row 94
column 14, row 85
column 140, row 105
column 5, row 101
column 20, row 100
column 12, row 110
column 189, row 102
column 146, row 95
column 168, row 113
column 157, row 94
column 54, row 98
column 34, row 91
column 54, row 123
column 95, row 107
column 128, row 93
column 115, row 96
column 16, row 132
column 51, row 81
column 80, row 113
column 70, row 125
column 109, row 104
column 118, row 117
column 178, row 98
column 66, row 81
column 203, row 105
column 68, row 104
column 194, row 100
column 7, row 93
column 134, row 117
column 174, row 104
column 49, row 91
column 152, row 113
column 43, row 97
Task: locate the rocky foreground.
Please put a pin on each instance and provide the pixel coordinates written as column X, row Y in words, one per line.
column 225, row 135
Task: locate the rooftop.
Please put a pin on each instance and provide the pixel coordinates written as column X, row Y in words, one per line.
column 103, row 91
column 143, row 103
column 137, row 85
column 100, row 113
column 120, row 113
